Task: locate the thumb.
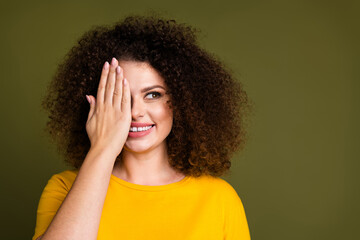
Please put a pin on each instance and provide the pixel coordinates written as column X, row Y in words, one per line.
column 91, row 101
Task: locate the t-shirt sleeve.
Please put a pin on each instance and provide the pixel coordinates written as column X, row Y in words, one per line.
column 51, row 198
column 235, row 226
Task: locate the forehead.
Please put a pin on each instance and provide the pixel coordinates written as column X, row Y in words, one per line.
column 141, row 74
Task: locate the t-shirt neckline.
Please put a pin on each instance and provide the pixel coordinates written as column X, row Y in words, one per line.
column 148, row 187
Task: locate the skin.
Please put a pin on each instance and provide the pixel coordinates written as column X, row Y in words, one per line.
column 118, row 103
column 145, row 159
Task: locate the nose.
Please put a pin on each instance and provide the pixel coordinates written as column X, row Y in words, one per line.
column 137, row 109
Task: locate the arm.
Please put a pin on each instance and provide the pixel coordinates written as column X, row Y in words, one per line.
column 236, row 226
column 79, row 215
column 107, row 126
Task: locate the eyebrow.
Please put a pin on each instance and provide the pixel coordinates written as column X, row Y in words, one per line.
column 151, row 87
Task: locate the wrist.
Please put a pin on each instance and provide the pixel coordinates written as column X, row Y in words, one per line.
column 103, row 153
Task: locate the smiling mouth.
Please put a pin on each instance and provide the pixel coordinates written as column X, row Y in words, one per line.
column 141, row 129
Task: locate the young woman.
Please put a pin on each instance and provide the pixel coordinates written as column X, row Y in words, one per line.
column 148, row 154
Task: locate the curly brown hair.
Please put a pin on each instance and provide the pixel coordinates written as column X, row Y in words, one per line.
column 209, row 105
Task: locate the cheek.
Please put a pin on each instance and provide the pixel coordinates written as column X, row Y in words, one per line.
column 164, row 115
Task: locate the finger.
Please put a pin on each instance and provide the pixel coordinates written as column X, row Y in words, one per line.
column 110, row 84
column 118, row 88
column 92, row 101
column 101, row 89
column 126, row 97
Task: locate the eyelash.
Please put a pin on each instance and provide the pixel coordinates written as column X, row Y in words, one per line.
column 155, row 93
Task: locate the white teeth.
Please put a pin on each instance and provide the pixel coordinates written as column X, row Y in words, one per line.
column 140, row 129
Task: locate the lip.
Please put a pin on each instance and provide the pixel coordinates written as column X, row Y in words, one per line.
column 142, row 133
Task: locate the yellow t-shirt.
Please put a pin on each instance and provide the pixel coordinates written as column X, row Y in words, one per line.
column 193, row 208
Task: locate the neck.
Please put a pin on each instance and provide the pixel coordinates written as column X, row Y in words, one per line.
column 146, row 168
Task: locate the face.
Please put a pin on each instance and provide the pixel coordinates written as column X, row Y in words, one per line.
column 152, row 116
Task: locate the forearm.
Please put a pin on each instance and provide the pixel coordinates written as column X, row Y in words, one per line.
column 79, row 215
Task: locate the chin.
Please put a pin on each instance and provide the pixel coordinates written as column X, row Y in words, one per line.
column 136, row 149
column 136, row 146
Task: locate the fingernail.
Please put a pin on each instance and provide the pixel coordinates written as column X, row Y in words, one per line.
column 88, row 98
column 118, row 70
column 113, row 61
column 106, row 65
column 125, row 81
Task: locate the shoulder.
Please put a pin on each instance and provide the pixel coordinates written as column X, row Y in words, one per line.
column 218, row 186
column 215, row 182
column 63, row 180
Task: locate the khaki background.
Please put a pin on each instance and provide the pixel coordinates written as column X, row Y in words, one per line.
column 299, row 61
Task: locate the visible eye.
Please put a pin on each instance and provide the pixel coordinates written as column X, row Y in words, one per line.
column 153, row 95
